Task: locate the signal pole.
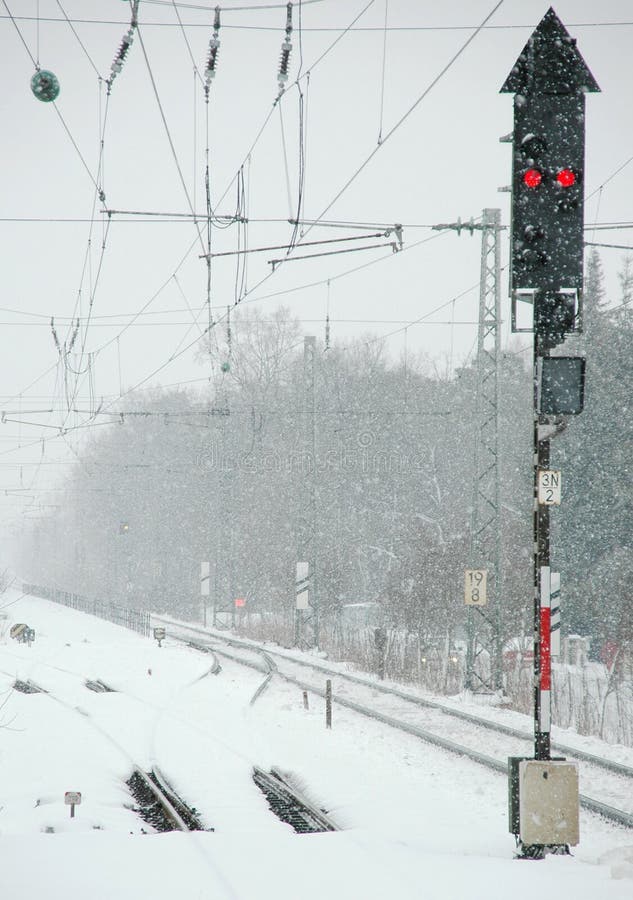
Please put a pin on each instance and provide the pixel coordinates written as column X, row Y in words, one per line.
column 549, row 81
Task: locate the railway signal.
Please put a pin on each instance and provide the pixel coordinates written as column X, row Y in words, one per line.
column 549, row 81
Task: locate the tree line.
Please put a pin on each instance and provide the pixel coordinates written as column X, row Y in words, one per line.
column 381, row 498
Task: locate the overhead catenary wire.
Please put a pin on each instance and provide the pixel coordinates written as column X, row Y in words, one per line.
column 64, row 428
column 84, row 336
column 277, row 262
column 369, row 29
column 389, row 134
column 183, row 350
column 382, row 78
column 609, row 246
column 411, row 109
column 63, row 432
column 187, row 44
column 79, row 41
column 206, row 8
column 167, row 131
column 36, row 66
column 98, row 189
column 322, row 281
column 271, row 110
column 285, row 153
column 14, row 20
column 175, row 323
column 361, row 237
column 319, row 223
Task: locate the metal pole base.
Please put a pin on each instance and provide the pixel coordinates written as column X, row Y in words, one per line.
column 530, row 851
column 540, row 851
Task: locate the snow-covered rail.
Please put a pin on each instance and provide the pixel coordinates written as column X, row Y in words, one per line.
column 157, row 802
column 454, row 730
column 290, row 805
column 158, row 805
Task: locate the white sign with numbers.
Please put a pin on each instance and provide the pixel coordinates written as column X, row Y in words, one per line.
column 549, row 485
column 475, row 587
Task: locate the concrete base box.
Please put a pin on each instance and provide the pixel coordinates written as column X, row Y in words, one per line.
column 548, row 802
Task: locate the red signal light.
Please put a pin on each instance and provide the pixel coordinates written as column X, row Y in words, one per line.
column 532, row 178
column 566, row 178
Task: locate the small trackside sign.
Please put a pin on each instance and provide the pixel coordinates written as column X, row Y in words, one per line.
column 72, row 799
column 475, row 584
column 159, row 635
column 549, row 487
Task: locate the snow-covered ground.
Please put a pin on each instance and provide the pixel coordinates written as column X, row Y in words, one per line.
column 416, row 822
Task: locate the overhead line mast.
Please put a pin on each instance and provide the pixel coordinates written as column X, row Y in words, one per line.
column 485, row 598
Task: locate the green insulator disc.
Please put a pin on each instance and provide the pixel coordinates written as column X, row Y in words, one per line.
column 225, row 367
column 45, row 86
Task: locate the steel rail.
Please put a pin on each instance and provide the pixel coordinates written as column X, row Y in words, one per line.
column 162, row 799
column 176, row 802
column 275, row 784
column 589, row 803
column 160, row 793
column 472, row 718
column 270, row 667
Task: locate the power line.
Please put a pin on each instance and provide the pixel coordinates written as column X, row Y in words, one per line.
column 411, row 109
column 391, row 132
column 208, row 8
column 285, row 94
column 173, row 218
column 610, row 246
column 369, row 29
column 178, row 353
column 79, row 41
column 167, row 132
column 174, row 324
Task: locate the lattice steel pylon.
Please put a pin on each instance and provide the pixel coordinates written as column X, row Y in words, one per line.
column 223, row 600
column 307, row 618
column 485, row 622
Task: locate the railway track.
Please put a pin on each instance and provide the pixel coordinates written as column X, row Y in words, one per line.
column 156, row 802
column 289, row 804
column 606, row 785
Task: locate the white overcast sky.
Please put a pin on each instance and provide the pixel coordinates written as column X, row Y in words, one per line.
column 443, row 162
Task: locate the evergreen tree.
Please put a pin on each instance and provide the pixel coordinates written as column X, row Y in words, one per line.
column 596, row 518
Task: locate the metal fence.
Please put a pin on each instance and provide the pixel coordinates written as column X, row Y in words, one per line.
column 135, row 619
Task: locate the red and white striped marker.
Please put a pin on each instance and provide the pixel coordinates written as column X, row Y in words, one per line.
column 545, row 683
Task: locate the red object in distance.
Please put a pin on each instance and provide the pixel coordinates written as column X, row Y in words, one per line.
column 566, row 178
column 240, row 601
column 532, row 178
